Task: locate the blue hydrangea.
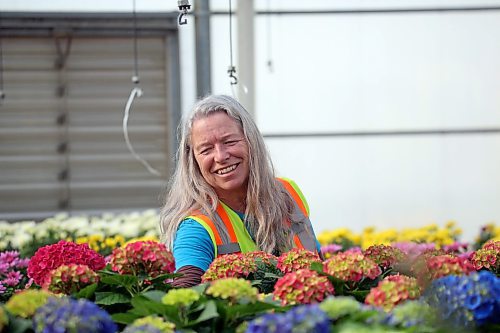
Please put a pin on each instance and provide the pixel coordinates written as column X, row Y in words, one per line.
column 303, row 319
column 146, row 328
column 466, row 301
column 65, row 315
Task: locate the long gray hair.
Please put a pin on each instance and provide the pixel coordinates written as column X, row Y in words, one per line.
column 268, row 205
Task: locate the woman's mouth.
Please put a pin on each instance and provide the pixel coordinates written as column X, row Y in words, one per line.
column 226, row 170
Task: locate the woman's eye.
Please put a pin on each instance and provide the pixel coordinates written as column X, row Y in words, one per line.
column 205, row 151
column 231, row 142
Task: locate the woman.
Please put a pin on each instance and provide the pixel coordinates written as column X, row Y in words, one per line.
column 224, row 196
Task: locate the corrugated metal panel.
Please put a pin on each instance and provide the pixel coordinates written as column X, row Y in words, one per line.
column 38, row 116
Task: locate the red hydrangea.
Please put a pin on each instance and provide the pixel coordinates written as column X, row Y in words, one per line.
column 392, row 290
column 50, row 257
column 237, row 265
column 385, row 256
column 296, row 259
column 68, row 279
column 148, row 258
column 487, row 257
column 303, row 286
column 351, row 266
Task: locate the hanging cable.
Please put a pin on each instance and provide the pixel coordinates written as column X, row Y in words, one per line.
column 136, row 92
column 2, row 93
column 232, row 70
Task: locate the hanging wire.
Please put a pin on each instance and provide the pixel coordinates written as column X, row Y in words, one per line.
column 269, row 62
column 2, row 93
column 232, row 70
column 136, row 92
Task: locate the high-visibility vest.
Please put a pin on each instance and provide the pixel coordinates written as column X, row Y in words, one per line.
column 229, row 234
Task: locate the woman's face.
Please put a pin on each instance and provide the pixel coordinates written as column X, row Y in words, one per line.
column 221, row 151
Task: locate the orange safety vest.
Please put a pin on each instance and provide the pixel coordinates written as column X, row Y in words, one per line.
column 229, row 234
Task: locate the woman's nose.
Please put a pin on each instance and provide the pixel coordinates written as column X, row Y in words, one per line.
column 221, row 153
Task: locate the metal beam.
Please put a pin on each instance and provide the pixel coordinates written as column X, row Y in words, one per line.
column 202, row 45
column 431, row 132
column 370, row 11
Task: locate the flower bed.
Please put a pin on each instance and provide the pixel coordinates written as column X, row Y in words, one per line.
column 87, row 276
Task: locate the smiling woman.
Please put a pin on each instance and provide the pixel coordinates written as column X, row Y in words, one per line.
column 224, row 196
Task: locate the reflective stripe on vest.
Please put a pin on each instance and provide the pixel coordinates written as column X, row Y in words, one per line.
column 229, row 234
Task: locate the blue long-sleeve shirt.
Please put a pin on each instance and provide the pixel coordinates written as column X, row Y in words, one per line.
column 193, row 245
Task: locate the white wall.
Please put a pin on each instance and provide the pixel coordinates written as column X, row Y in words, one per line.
column 366, row 72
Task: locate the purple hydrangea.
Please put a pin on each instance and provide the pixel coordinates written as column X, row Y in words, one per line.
column 467, row 300
column 64, row 315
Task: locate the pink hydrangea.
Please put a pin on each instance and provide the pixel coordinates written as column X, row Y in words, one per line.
column 143, row 258
column 296, row 259
column 238, row 265
column 487, row 257
column 351, row 266
column 303, row 286
column 385, row 256
column 68, row 279
column 392, row 290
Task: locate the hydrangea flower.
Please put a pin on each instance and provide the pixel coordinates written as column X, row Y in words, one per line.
column 340, row 306
column 180, row 297
column 412, row 249
column 265, row 257
column 50, row 257
column 150, row 324
column 351, row 267
column 442, row 265
column 384, row 255
column 412, row 313
column 68, row 279
column 148, row 258
column 296, row 259
column 300, row 319
column 61, row 315
column 393, row 290
column 302, row 287
column 236, row 265
column 270, row 323
column 145, row 328
column 26, row 302
column 467, row 300
column 232, row 289
column 487, row 257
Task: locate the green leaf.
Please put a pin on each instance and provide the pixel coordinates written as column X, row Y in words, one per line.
column 239, row 311
column 120, row 280
column 317, row 266
column 165, row 276
column 146, row 306
column 209, row 312
column 110, row 298
column 154, row 295
column 86, row 292
column 124, row 318
column 19, row 325
column 200, row 288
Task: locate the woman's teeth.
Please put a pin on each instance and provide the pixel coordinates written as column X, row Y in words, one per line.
column 226, row 170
